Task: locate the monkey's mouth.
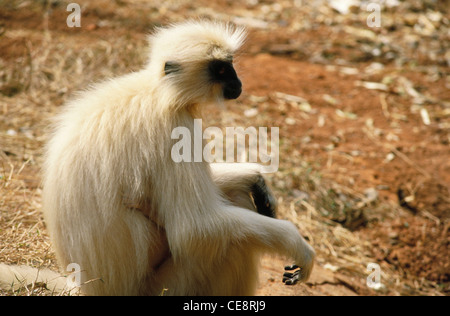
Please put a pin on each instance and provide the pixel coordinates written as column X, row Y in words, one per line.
column 232, row 90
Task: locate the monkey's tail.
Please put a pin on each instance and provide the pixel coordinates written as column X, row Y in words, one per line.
column 16, row 280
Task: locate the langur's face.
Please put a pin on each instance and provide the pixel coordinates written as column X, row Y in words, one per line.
column 205, row 80
column 222, row 72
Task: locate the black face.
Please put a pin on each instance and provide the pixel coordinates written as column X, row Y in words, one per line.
column 224, row 73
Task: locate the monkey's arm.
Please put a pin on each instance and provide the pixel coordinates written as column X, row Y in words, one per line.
column 276, row 236
column 232, row 226
column 244, row 186
column 198, row 222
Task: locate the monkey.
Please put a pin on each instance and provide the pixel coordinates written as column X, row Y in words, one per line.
column 132, row 218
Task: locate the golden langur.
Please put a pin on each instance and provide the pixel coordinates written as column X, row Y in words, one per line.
column 135, row 221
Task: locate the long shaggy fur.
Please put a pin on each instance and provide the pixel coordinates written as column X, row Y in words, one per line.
column 134, row 220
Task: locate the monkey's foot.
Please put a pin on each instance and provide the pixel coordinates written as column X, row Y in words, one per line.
column 265, row 202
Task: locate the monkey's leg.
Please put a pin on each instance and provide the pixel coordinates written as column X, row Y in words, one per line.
column 244, row 186
column 234, row 274
column 265, row 202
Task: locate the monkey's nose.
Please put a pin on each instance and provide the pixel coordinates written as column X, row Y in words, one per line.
column 232, row 90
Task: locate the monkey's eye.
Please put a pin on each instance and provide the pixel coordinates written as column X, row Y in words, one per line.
column 171, row 67
column 221, row 70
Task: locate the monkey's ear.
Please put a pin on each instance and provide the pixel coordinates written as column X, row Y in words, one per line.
column 171, row 67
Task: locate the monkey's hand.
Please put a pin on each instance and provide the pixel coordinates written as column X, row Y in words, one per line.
column 265, row 202
column 291, row 278
column 300, row 273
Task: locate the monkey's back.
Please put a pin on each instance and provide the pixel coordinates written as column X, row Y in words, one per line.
column 98, row 143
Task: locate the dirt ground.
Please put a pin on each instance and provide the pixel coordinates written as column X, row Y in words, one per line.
column 363, row 112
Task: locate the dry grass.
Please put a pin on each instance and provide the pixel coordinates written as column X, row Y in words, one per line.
column 322, row 216
column 36, row 80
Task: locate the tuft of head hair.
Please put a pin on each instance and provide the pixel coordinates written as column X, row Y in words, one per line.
column 180, row 56
column 195, row 40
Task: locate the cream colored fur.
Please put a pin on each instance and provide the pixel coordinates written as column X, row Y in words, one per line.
column 117, row 204
column 23, row 278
